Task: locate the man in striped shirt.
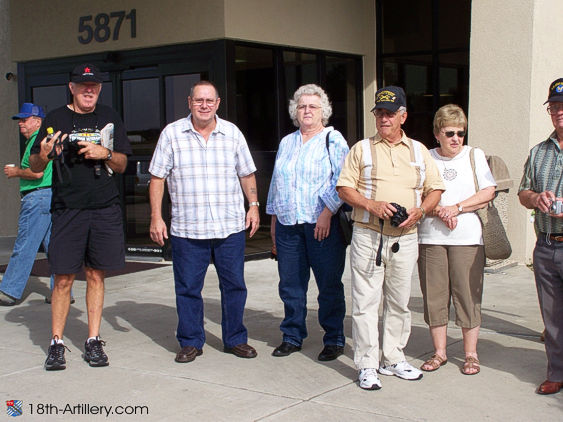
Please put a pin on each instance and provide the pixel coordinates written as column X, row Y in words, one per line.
column 541, row 189
column 205, row 161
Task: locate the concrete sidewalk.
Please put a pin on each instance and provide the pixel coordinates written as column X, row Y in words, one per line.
column 139, row 323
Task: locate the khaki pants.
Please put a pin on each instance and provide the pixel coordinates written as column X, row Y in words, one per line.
column 369, row 282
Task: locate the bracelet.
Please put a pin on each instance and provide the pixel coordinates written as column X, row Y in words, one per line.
column 423, row 212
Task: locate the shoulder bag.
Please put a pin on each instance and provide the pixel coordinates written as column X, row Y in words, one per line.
column 344, row 213
column 497, row 245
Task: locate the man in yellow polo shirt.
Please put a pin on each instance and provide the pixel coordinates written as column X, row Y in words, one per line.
column 386, row 169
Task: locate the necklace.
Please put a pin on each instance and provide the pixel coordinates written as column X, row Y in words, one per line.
column 447, row 174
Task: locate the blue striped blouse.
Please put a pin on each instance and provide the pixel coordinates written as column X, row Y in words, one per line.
column 302, row 182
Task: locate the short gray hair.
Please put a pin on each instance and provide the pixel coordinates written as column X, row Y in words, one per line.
column 310, row 89
column 203, row 82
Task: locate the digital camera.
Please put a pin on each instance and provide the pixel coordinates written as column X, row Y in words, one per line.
column 398, row 216
column 557, row 207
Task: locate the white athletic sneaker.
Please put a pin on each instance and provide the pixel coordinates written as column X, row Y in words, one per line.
column 402, row 370
column 368, row 379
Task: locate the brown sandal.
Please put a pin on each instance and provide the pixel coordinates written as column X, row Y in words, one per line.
column 433, row 363
column 471, row 362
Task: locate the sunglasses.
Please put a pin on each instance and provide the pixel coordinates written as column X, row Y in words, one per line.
column 451, row 133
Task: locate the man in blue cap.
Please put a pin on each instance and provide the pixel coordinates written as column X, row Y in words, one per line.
column 34, row 224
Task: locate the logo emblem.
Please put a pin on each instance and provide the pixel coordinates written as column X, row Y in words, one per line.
column 557, row 87
column 386, row 96
column 14, row 407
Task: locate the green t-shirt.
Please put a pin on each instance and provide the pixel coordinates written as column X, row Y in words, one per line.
column 45, row 181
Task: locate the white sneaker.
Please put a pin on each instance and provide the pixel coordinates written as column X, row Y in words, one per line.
column 368, row 379
column 402, row 370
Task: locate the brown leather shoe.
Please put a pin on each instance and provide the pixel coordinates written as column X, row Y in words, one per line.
column 187, row 354
column 549, row 387
column 242, row 350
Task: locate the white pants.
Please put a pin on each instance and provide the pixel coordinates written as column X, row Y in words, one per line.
column 393, row 279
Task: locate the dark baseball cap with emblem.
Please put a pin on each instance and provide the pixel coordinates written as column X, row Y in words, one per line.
column 390, row 98
column 555, row 93
column 86, row 73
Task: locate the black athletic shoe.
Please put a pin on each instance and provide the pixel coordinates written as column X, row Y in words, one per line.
column 94, row 353
column 56, row 357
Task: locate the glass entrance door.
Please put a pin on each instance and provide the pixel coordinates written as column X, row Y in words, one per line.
column 150, row 101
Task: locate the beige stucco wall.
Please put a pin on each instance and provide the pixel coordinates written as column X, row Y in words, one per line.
column 514, row 56
column 55, row 24
column 9, row 140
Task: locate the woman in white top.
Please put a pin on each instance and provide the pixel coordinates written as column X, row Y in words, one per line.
column 451, row 254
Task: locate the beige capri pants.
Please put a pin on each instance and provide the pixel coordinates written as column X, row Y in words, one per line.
column 449, row 272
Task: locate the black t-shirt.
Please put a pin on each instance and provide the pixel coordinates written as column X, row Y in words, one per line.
column 75, row 182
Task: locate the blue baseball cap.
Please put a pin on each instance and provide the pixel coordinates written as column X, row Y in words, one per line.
column 28, row 110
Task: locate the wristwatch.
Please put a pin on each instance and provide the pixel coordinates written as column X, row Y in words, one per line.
column 459, row 207
column 108, row 158
column 255, row 203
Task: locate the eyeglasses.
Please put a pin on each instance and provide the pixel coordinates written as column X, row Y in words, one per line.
column 199, row 102
column 554, row 109
column 380, row 113
column 451, row 133
column 312, row 107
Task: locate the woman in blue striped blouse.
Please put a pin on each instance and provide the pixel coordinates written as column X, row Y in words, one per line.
column 303, row 202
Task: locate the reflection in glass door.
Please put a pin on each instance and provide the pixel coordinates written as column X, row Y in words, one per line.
column 144, row 117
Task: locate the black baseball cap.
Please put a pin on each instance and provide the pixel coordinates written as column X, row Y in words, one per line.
column 390, row 98
column 86, row 73
column 555, row 93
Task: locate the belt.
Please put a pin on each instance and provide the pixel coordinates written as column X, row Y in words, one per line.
column 558, row 237
column 25, row 192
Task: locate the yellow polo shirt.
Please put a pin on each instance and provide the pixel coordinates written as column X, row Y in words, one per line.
column 402, row 173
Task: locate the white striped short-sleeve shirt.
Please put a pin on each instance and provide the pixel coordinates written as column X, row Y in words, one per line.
column 203, row 178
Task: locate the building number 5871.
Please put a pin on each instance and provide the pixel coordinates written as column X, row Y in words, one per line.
column 100, row 30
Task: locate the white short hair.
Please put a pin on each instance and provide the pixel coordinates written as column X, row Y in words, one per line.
column 310, row 89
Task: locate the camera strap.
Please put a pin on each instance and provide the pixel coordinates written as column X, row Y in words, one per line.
column 380, row 247
column 394, row 247
column 58, row 159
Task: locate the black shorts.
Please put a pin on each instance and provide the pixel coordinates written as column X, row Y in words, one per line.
column 92, row 238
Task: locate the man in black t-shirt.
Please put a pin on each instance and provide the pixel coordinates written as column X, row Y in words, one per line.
column 89, row 145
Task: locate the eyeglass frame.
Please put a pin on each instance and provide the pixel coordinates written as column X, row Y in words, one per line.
column 558, row 106
column 452, row 133
column 312, row 107
column 199, row 101
column 384, row 113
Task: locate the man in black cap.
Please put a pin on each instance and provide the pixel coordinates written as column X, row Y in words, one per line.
column 89, row 145
column 381, row 173
column 541, row 189
column 34, row 223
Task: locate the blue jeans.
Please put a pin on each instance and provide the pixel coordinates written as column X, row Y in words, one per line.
column 34, row 228
column 298, row 253
column 190, row 259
